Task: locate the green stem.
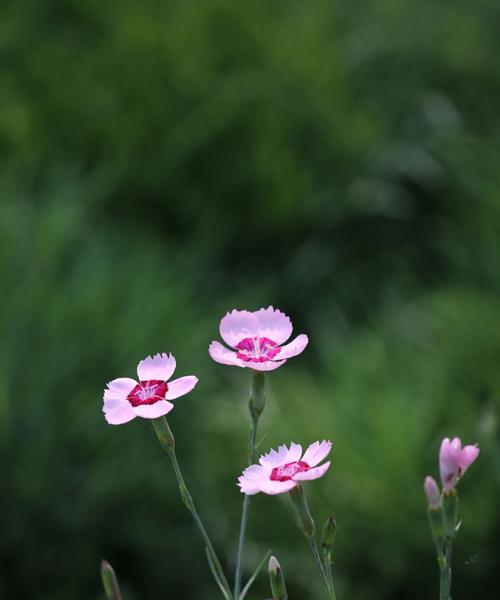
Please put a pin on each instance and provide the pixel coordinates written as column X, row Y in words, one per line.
column 329, row 574
column 241, row 545
column 256, row 406
column 167, row 441
column 445, row 572
column 328, row 582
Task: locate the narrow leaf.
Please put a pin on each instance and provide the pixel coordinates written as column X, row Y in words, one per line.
column 216, row 575
column 249, row 583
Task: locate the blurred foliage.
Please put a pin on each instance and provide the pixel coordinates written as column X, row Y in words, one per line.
column 165, row 161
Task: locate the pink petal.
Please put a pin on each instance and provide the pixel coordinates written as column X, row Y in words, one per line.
column 276, row 487
column 294, row 347
column 269, row 365
column 294, row 453
column 224, row 356
column 449, row 454
column 468, row 456
column 119, row 389
column 312, row 473
column 247, row 487
column 160, row 367
column 181, row 386
column 248, row 481
column 117, row 412
column 153, row 411
column 254, row 472
column 317, row 452
column 238, row 325
column 274, row 324
column 274, row 458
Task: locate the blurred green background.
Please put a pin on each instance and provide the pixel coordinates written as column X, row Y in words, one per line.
column 163, row 162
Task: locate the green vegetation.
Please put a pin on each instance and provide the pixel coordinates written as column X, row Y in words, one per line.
column 165, row 161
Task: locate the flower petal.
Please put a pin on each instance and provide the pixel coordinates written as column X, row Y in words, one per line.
column 295, row 347
column 153, row 411
column 274, row 458
column 224, row 356
column 248, row 481
column 119, row 389
column 274, row 324
column 160, row 367
column 269, row 365
column 294, row 453
column 181, row 386
column 248, row 487
column 317, row 452
column 276, row 487
column 467, row 457
column 449, row 455
column 312, row 473
column 238, row 325
column 255, row 472
column 117, row 412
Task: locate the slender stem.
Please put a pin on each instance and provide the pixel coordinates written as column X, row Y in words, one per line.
column 252, row 436
column 241, row 545
column 256, row 406
column 327, row 581
column 188, row 500
column 167, row 441
column 329, row 574
column 445, row 572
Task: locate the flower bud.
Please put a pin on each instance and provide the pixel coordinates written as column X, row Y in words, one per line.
column 164, row 433
column 328, row 537
column 302, row 512
column 432, row 493
column 109, row 581
column 276, row 579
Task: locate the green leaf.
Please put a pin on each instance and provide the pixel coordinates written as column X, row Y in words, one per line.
column 254, row 576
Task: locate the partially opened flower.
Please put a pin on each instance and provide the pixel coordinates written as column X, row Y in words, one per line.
column 256, row 338
column 126, row 398
column 281, row 470
column 455, row 460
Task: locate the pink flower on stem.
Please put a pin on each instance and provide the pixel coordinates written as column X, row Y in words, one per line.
column 126, row 398
column 454, row 461
column 256, row 338
column 282, row 470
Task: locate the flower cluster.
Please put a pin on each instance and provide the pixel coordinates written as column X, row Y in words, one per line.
column 454, row 460
column 259, row 341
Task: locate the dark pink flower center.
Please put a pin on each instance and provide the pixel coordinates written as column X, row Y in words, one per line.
column 286, row 472
column 256, row 349
column 148, row 392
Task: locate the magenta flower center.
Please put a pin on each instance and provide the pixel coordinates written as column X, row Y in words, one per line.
column 286, row 472
column 256, row 349
column 148, row 392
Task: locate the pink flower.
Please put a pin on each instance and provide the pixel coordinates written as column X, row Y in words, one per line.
column 454, row 461
column 125, row 398
column 257, row 339
column 280, row 471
